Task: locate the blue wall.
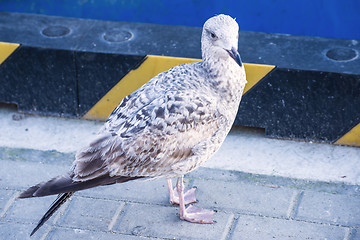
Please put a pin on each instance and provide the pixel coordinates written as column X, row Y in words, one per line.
column 324, row 18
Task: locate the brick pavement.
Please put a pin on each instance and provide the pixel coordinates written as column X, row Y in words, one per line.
column 248, row 206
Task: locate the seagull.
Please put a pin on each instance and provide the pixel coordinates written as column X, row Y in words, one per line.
column 166, row 128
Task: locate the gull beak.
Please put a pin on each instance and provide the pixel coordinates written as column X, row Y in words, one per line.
column 235, row 55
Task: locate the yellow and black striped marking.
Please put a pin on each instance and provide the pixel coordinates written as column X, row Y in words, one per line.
column 351, row 138
column 305, row 105
column 288, row 103
column 38, row 80
column 6, row 49
column 149, row 68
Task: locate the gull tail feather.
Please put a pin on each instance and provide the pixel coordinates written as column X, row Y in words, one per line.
column 57, row 185
column 64, row 186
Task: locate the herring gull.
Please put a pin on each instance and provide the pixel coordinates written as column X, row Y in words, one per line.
column 166, row 128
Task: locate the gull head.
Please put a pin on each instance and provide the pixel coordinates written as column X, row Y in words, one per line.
column 220, row 38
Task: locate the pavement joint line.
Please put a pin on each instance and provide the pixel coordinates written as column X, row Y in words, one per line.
column 294, row 203
column 63, row 209
column 57, row 226
column 325, row 222
column 20, row 221
column 115, row 217
column 122, row 214
column 127, row 201
column 232, row 226
column 47, row 232
column 297, row 220
column 349, row 232
column 18, row 189
column 79, row 195
column 9, row 203
column 228, row 226
column 56, row 219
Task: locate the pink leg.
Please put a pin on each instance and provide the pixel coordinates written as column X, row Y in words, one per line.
column 189, row 194
column 171, row 191
column 192, row 214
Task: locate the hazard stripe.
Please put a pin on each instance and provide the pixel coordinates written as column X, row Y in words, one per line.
column 352, row 138
column 269, row 98
column 152, row 66
column 6, row 49
column 254, row 73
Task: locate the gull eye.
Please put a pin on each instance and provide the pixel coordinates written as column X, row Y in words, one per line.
column 212, row 35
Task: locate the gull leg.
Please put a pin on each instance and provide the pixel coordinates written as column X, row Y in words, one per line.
column 171, row 192
column 189, row 194
column 192, row 214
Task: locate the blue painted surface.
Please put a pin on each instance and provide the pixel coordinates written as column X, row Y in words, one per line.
column 324, row 18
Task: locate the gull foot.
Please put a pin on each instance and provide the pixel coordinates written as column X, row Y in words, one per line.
column 189, row 196
column 198, row 215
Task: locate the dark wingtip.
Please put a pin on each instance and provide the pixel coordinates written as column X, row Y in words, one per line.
column 64, row 183
column 60, row 200
column 34, row 230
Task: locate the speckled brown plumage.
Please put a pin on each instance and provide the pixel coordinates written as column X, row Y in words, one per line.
column 169, row 126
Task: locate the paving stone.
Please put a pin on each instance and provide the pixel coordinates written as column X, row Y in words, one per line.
column 91, row 214
column 5, row 195
column 355, row 234
column 139, row 191
column 29, row 210
column 164, row 222
column 240, row 197
column 330, row 208
column 140, row 210
column 19, row 231
column 256, row 227
column 79, row 234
